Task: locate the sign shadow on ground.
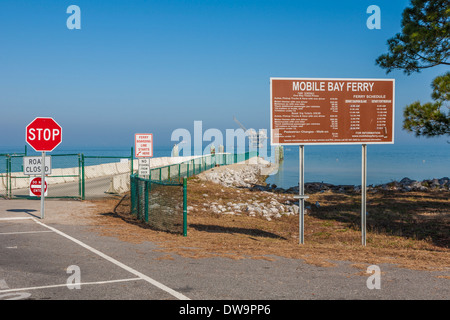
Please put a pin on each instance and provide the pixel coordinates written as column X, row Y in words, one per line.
column 27, row 211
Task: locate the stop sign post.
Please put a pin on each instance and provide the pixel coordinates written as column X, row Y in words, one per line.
column 43, row 134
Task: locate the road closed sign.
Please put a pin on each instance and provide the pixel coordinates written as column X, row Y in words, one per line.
column 32, row 165
column 331, row 111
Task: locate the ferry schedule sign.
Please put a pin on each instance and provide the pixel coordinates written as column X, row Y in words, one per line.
column 308, row 111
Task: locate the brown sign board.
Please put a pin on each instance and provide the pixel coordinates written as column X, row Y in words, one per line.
column 331, row 111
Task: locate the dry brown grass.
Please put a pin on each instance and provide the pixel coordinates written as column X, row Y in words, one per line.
column 410, row 230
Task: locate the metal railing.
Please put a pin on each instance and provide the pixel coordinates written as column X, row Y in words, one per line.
column 68, row 178
column 71, row 171
column 176, row 172
column 161, row 199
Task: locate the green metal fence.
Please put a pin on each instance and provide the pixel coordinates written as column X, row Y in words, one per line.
column 158, row 204
column 4, row 175
column 5, row 172
column 176, row 172
column 69, row 175
column 161, row 200
column 79, row 176
column 64, row 179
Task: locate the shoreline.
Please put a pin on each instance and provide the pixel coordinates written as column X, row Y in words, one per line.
column 254, row 176
column 404, row 185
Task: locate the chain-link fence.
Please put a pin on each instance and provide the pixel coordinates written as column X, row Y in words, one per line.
column 63, row 182
column 175, row 172
column 161, row 199
column 6, row 168
column 72, row 176
column 86, row 177
column 163, row 205
column 4, row 175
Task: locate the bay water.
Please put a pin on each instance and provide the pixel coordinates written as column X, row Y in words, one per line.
column 342, row 164
column 335, row 164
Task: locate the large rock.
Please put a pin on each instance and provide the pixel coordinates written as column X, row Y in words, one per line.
column 237, row 175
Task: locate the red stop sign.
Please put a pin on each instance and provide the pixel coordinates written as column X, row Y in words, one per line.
column 43, row 134
column 35, row 187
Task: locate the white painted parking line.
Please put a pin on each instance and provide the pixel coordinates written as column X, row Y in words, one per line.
column 65, row 285
column 157, row 284
column 20, row 232
column 16, row 218
column 24, row 232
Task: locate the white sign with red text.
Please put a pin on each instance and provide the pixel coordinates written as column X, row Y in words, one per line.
column 143, row 145
column 35, row 187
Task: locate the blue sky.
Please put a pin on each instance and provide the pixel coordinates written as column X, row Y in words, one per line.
column 155, row 66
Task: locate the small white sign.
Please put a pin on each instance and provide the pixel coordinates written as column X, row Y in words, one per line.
column 144, row 170
column 144, row 162
column 32, row 165
column 143, row 145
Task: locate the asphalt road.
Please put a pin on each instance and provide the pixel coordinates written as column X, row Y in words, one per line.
column 94, row 188
column 38, row 257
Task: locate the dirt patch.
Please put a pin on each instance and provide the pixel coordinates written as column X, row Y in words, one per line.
column 410, row 230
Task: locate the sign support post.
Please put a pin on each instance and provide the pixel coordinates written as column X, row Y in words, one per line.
column 363, row 194
column 301, row 194
column 301, row 190
column 43, row 185
column 44, row 135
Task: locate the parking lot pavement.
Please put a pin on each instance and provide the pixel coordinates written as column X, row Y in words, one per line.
column 38, row 261
column 48, row 258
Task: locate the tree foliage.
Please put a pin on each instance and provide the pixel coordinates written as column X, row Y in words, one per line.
column 425, row 38
column 423, row 43
column 441, row 88
column 428, row 119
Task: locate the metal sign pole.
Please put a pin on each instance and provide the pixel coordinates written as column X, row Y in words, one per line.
column 301, row 194
column 301, row 189
column 363, row 194
column 42, row 185
column 149, row 169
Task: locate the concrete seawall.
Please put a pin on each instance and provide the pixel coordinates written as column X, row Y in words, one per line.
column 121, row 183
column 119, row 171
